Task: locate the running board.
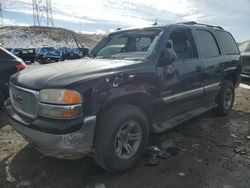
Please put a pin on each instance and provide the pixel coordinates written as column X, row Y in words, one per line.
column 161, row 126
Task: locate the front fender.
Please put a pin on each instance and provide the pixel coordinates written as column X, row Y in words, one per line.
column 128, row 89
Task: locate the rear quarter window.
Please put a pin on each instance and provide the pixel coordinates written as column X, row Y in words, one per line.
column 208, row 44
column 228, row 43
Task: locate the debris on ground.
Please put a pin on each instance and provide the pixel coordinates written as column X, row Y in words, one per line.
column 172, row 150
column 240, row 150
column 23, row 184
column 238, row 141
column 98, row 185
column 195, row 145
column 182, row 174
column 199, row 160
column 248, row 137
column 247, row 157
column 154, row 154
column 152, row 161
column 233, row 135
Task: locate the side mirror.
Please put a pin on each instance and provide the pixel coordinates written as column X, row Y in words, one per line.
column 168, row 56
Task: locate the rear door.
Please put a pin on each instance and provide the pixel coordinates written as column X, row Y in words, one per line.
column 213, row 61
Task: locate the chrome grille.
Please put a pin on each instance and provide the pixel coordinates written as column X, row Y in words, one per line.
column 24, row 101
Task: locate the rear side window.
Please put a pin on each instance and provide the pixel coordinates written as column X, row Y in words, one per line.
column 208, row 44
column 229, row 45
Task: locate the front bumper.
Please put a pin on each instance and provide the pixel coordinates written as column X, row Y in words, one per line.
column 68, row 146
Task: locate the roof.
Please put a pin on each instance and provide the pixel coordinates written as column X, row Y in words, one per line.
column 189, row 24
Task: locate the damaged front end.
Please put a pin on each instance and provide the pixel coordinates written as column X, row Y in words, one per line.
column 72, row 145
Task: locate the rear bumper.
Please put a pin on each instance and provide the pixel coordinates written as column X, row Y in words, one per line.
column 68, row 146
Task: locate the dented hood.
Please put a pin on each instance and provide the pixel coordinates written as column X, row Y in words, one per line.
column 62, row 74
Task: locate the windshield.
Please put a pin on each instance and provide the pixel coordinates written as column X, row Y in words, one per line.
column 130, row 45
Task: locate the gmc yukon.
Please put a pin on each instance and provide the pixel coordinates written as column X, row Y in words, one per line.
column 138, row 81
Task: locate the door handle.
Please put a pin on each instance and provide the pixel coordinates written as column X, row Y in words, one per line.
column 199, row 69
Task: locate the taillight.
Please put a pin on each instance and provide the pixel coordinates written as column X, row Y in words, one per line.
column 20, row 66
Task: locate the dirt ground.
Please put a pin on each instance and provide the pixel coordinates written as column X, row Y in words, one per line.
column 214, row 153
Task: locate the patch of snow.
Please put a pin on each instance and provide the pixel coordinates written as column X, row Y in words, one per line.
column 245, row 86
column 35, row 37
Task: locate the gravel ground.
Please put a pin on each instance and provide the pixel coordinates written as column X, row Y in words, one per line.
column 214, row 152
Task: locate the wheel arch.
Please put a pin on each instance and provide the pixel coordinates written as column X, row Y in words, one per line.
column 233, row 77
column 139, row 100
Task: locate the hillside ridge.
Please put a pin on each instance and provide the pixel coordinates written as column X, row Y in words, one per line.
column 39, row 36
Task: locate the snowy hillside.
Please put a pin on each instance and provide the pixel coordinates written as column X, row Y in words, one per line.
column 33, row 37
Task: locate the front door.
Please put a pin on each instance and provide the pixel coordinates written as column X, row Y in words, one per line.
column 183, row 80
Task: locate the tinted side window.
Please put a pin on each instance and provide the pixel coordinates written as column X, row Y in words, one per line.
column 183, row 44
column 229, row 45
column 208, row 44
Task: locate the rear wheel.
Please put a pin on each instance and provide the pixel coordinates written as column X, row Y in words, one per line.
column 226, row 98
column 121, row 137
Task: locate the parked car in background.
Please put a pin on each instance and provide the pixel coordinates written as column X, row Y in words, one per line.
column 73, row 53
column 26, row 54
column 48, row 55
column 9, row 65
column 245, row 53
column 70, row 53
column 15, row 51
column 83, row 51
column 140, row 81
column 9, row 49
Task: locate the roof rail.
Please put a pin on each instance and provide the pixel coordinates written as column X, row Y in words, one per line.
column 195, row 23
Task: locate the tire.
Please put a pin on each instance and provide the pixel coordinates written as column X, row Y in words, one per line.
column 110, row 130
column 2, row 99
column 224, row 101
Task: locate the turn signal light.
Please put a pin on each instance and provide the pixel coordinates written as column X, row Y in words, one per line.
column 71, row 97
column 68, row 114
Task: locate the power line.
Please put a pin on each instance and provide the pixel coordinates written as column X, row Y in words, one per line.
column 42, row 13
column 1, row 14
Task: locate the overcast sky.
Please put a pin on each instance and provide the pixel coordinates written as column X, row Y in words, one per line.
column 102, row 15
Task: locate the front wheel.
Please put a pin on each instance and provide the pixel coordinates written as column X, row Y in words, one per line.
column 121, row 138
column 225, row 98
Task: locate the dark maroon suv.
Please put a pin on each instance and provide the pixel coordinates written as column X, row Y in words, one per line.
column 138, row 81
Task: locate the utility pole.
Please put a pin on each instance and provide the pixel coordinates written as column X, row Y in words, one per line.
column 42, row 13
column 1, row 14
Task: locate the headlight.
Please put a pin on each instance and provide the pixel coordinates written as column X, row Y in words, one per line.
column 60, row 103
column 60, row 96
